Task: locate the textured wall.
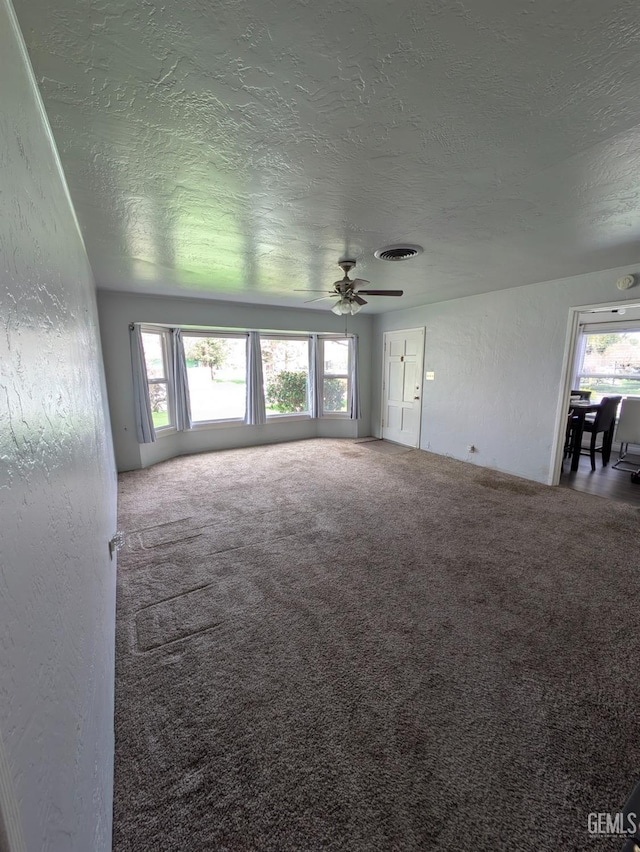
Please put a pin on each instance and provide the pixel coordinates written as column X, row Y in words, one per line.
column 498, row 361
column 117, row 310
column 57, row 495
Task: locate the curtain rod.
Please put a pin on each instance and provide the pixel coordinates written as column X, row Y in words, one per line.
column 234, row 330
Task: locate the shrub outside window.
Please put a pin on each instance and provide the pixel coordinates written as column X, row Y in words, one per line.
column 285, row 365
column 217, row 375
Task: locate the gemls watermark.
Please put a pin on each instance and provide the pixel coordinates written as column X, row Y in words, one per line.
column 612, row 825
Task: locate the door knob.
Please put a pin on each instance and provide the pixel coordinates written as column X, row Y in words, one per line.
column 416, row 397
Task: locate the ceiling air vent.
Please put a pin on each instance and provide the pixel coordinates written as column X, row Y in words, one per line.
column 398, row 252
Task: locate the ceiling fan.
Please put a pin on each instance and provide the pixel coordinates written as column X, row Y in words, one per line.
column 349, row 301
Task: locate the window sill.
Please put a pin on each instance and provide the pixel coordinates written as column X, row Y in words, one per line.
column 272, row 420
column 164, row 431
column 217, row 424
column 278, row 418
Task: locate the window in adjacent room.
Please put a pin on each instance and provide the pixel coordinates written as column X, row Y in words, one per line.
column 285, row 365
column 156, row 356
column 217, row 375
column 335, row 375
column 609, row 362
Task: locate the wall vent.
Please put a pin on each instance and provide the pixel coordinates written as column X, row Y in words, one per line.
column 398, row 252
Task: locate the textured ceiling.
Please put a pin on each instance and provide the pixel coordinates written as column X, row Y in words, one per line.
column 239, row 149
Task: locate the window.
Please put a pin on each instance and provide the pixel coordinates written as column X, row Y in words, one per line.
column 335, row 375
column 285, row 365
column 610, row 363
column 216, row 373
column 156, row 357
column 215, row 366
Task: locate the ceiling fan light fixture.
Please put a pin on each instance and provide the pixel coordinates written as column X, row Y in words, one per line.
column 350, row 292
column 345, row 306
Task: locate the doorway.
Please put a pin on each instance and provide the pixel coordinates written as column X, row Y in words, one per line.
column 602, row 360
column 402, row 386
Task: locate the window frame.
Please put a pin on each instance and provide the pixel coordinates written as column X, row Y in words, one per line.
column 593, row 329
column 168, row 378
column 212, row 332
column 333, row 415
column 164, row 331
column 293, row 415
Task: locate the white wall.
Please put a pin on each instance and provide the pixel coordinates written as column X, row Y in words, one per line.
column 57, row 498
column 117, row 310
column 498, row 361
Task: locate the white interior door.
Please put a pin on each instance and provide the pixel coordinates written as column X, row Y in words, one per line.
column 402, row 386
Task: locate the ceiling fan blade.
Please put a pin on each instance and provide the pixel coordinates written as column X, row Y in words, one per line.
column 382, row 292
column 311, row 291
column 319, row 299
column 359, row 300
column 359, row 282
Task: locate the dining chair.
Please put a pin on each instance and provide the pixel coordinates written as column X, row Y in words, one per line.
column 568, row 438
column 603, row 422
column 627, row 431
column 583, row 396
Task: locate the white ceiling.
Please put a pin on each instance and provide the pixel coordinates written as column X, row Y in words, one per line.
column 238, row 149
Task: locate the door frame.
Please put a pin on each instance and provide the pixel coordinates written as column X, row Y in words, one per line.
column 423, row 329
column 568, row 359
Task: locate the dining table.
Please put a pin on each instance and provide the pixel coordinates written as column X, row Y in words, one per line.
column 578, row 412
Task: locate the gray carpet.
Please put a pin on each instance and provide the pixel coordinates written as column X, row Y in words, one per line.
column 322, row 647
column 386, row 447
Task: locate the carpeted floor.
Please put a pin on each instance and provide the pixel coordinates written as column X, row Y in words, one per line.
column 325, row 647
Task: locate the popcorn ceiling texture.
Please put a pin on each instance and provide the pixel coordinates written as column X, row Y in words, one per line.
column 57, row 495
column 240, row 148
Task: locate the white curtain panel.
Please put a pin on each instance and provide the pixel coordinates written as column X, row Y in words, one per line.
column 354, row 384
column 144, row 419
column 183, row 401
column 255, row 413
column 315, row 371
